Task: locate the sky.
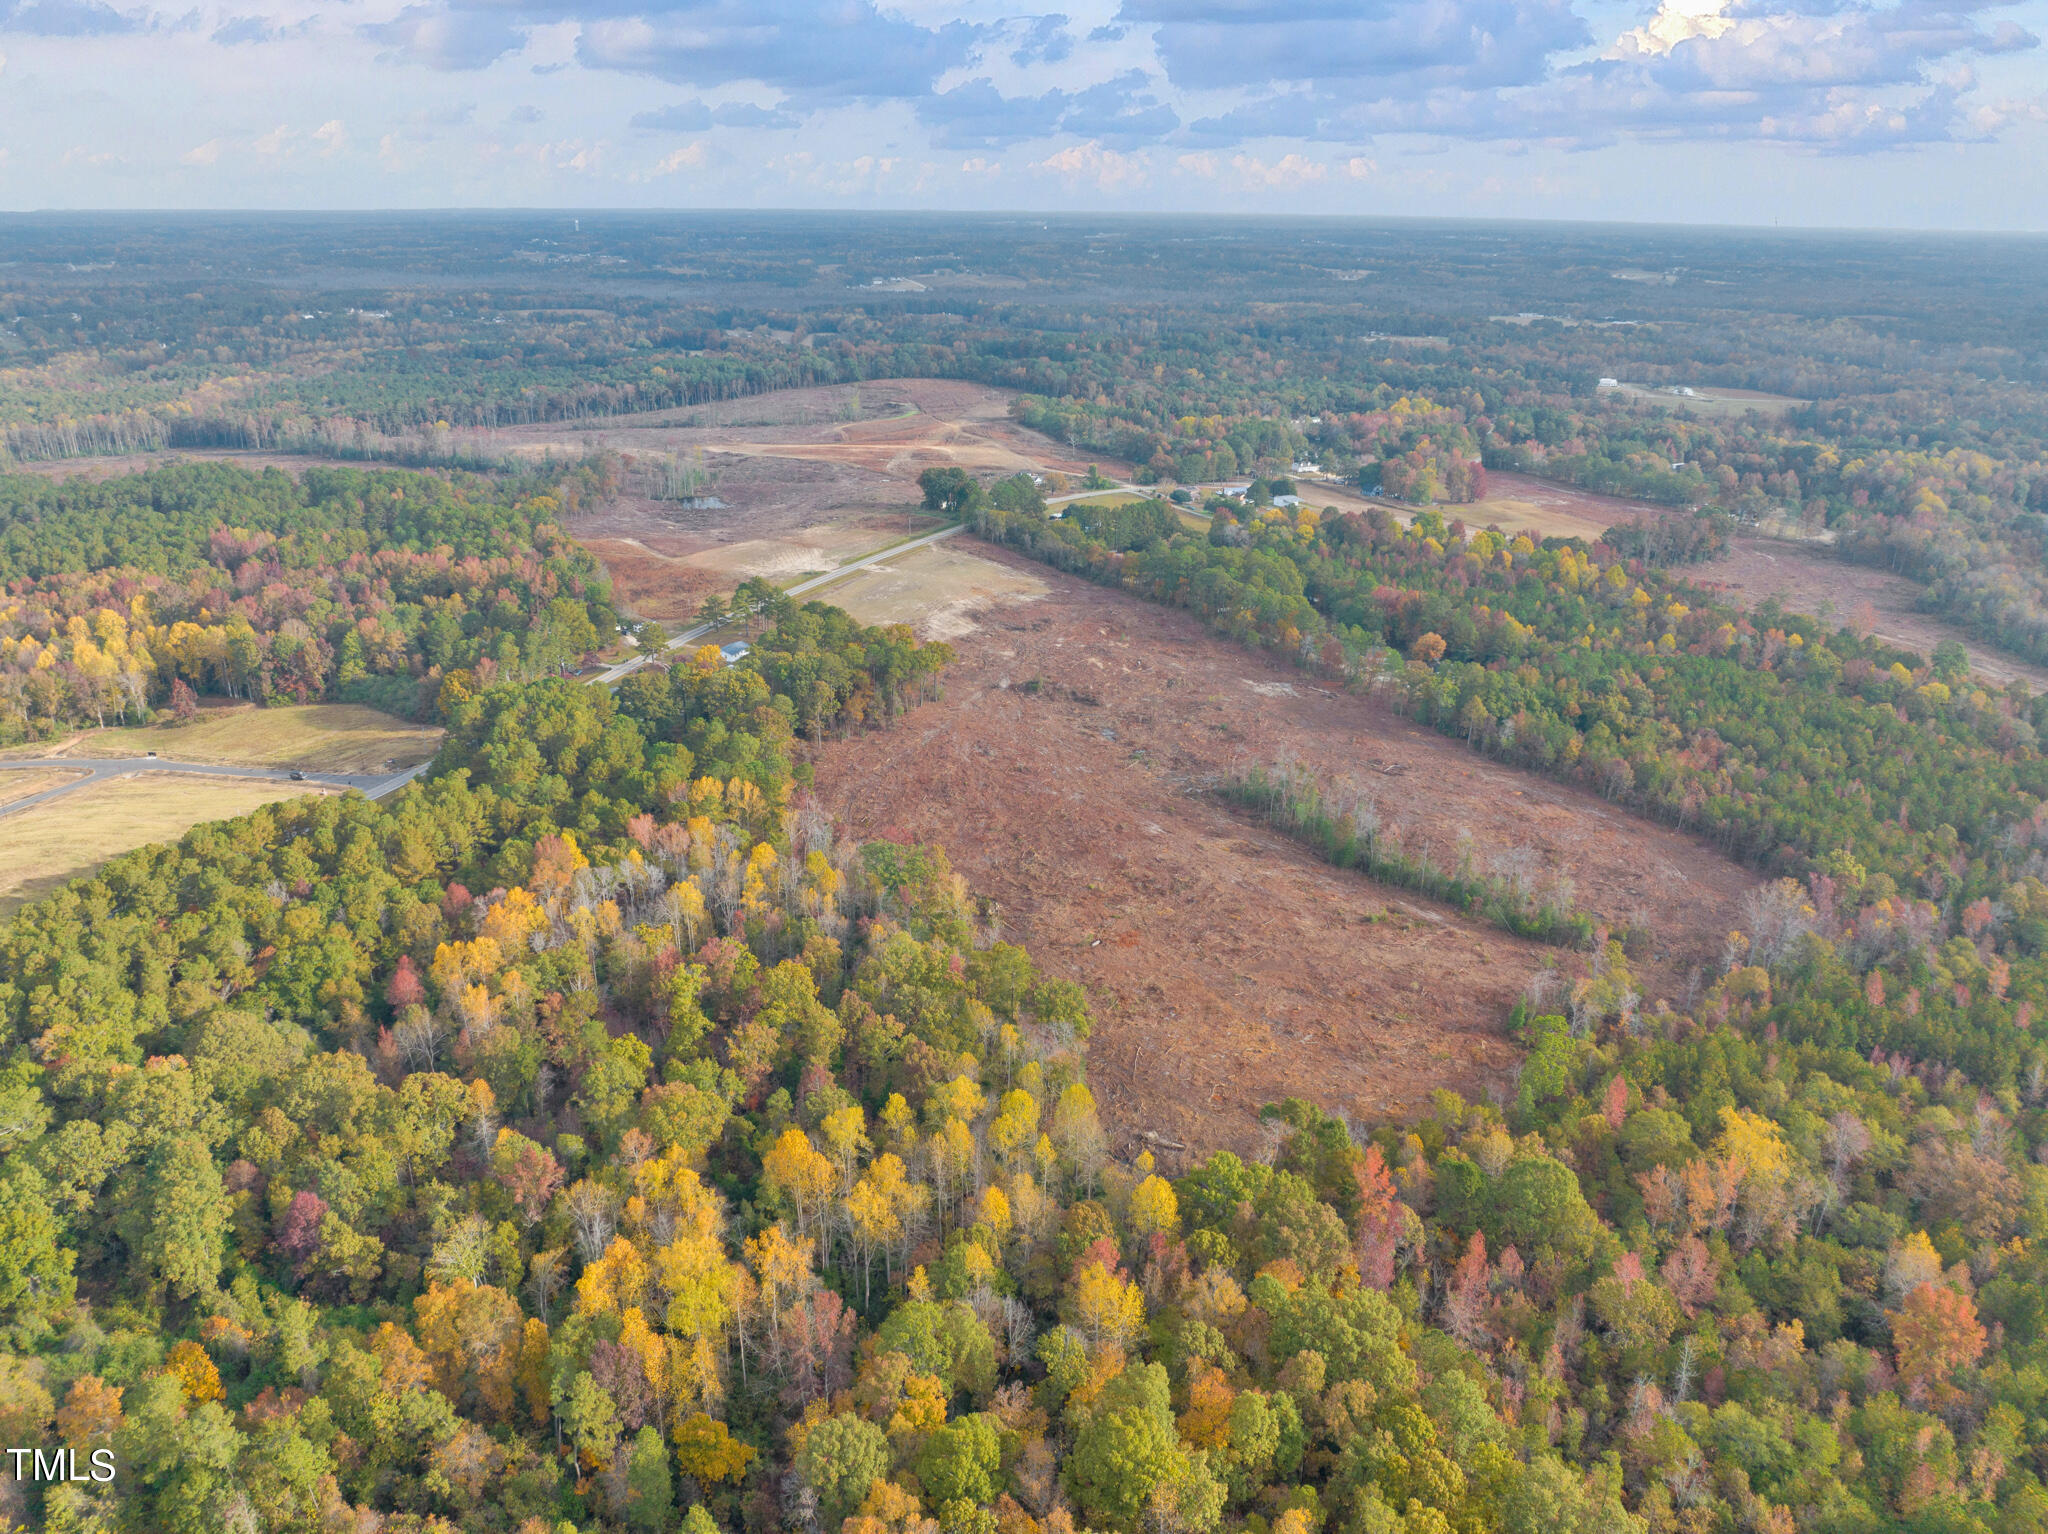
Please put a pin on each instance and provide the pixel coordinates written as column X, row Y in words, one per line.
column 1842, row 113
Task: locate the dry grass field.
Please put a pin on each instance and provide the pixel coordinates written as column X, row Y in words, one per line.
column 318, row 737
column 44, row 848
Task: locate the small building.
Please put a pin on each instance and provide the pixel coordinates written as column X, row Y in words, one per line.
column 735, row 652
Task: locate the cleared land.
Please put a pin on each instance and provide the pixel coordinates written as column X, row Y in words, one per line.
column 1806, row 578
column 1067, row 773
column 323, row 737
column 44, row 848
column 1515, row 503
column 1812, row 581
column 794, row 483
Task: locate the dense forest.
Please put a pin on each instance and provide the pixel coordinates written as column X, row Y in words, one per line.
column 128, row 597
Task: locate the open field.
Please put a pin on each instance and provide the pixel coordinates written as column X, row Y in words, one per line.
column 1066, row 773
column 941, row 590
column 323, row 737
column 1810, row 580
column 896, row 427
column 1521, row 503
column 1726, row 404
column 669, row 588
column 1515, row 503
column 46, row 847
column 1101, row 498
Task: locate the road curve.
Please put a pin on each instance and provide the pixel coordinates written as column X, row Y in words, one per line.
column 102, row 769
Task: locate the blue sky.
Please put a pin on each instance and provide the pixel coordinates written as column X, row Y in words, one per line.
column 1901, row 113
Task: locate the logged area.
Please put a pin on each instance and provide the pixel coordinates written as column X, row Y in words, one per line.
column 1870, row 601
column 1068, row 772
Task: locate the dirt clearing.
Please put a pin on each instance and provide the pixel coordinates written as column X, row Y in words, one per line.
column 1066, row 772
column 792, row 482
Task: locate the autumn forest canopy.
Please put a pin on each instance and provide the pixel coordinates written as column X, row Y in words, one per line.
column 593, row 1136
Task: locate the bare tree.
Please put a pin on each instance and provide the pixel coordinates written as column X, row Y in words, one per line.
column 545, row 1275
column 419, row 1036
column 1777, row 917
column 592, row 1214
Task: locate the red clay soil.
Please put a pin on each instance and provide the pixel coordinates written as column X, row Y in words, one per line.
column 1228, row 966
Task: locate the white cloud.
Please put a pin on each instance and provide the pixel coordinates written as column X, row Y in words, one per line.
column 689, row 156
column 1108, row 169
column 1676, row 21
column 207, row 153
column 331, row 136
column 1288, row 170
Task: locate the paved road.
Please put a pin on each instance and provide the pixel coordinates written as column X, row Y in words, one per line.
column 101, row 769
column 626, row 668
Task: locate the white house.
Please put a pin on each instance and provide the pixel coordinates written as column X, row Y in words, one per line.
column 735, row 652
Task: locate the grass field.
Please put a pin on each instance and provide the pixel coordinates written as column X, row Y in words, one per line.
column 1103, row 498
column 320, row 737
column 44, row 848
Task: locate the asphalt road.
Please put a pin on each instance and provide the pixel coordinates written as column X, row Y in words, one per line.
column 100, row 769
